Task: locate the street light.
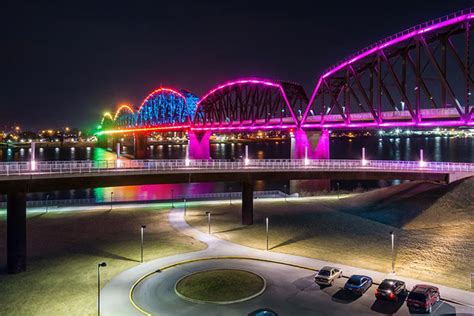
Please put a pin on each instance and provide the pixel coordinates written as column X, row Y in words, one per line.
column 142, row 229
column 392, row 236
column 209, row 221
column 337, row 184
column 111, row 199
column 172, row 198
column 284, row 190
column 266, row 224
column 47, row 198
column 102, row 264
column 184, row 207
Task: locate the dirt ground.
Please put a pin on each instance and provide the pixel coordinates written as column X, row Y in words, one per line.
column 433, row 226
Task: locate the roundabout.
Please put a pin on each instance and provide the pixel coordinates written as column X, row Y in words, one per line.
column 150, row 288
column 220, row 286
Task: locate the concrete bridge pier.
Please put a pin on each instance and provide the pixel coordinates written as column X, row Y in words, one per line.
column 247, row 202
column 16, row 232
column 199, row 146
column 310, row 144
column 102, row 141
column 139, row 145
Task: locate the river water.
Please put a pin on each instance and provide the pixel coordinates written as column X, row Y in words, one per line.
column 387, row 148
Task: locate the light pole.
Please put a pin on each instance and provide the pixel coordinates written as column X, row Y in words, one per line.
column 337, row 184
column 209, row 221
column 102, row 264
column 184, row 207
column 284, row 190
column 172, row 198
column 111, row 199
column 266, row 224
column 47, row 198
column 392, row 236
column 230, row 195
column 142, row 230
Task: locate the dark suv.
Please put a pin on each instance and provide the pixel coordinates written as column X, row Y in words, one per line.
column 391, row 289
column 422, row 298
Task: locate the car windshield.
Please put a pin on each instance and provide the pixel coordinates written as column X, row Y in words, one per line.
column 417, row 297
column 324, row 273
column 354, row 281
column 386, row 285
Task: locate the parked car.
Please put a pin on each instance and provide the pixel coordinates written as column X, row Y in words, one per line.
column 327, row 275
column 358, row 284
column 391, row 289
column 422, row 298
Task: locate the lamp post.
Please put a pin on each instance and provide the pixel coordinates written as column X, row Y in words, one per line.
column 392, row 237
column 337, row 184
column 142, row 230
column 111, row 199
column 47, row 198
column 184, row 207
column 102, row 264
column 284, row 191
column 364, row 161
column 266, row 227
column 209, row 221
column 172, row 198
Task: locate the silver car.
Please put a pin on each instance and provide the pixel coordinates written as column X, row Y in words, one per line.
column 327, row 275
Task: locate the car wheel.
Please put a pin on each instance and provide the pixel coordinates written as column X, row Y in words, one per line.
column 332, row 282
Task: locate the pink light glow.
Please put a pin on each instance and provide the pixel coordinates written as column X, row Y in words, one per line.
column 251, row 81
column 146, row 129
column 400, row 39
column 389, row 124
column 241, row 128
column 379, row 47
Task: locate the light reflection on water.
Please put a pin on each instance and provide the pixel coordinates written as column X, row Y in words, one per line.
column 400, row 148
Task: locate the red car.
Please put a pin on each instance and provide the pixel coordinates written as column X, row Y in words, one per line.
column 422, row 298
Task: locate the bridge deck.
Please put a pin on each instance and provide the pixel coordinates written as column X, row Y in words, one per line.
column 63, row 175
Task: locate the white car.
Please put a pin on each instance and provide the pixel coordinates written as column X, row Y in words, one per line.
column 327, row 275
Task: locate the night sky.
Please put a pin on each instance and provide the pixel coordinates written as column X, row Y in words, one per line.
column 65, row 63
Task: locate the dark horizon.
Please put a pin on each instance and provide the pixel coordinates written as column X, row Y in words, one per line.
column 65, row 64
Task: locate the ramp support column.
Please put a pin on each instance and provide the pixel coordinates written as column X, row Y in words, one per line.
column 16, row 232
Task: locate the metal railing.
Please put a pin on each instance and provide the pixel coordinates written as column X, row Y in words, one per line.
column 141, row 166
column 177, row 199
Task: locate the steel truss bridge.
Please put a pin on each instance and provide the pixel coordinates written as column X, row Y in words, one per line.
column 419, row 77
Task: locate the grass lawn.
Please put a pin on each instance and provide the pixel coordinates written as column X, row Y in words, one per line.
column 65, row 248
column 220, row 285
column 433, row 225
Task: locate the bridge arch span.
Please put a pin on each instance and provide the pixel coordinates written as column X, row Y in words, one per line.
column 163, row 107
column 419, row 77
column 248, row 104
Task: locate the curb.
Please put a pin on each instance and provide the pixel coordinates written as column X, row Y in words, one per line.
column 264, row 287
column 140, row 309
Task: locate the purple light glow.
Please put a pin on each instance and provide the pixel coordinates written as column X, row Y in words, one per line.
column 389, row 41
column 399, row 39
column 251, row 81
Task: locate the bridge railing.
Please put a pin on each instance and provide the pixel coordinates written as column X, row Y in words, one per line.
column 123, row 165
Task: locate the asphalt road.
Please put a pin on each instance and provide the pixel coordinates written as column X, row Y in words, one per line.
column 290, row 291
